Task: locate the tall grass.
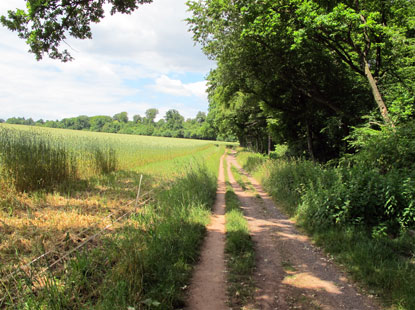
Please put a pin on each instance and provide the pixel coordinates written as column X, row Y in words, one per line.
column 104, row 159
column 146, row 264
column 31, row 161
column 358, row 214
column 133, row 151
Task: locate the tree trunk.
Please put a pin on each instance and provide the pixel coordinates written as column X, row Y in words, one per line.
column 310, row 142
column 376, row 94
column 269, row 144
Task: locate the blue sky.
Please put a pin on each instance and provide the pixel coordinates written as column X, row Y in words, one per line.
column 133, row 63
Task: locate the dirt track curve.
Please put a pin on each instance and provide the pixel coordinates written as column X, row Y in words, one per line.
column 290, row 272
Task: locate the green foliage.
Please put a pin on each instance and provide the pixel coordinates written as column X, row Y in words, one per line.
column 251, row 161
column 121, row 117
column 173, row 125
column 304, row 72
column 280, row 151
column 385, row 149
column 151, row 115
column 360, row 210
column 360, row 196
column 288, row 180
column 373, row 188
column 44, row 24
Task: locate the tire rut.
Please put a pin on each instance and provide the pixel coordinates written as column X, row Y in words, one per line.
column 290, row 272
column 207, row 290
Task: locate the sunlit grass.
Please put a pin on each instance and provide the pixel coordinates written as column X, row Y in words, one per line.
column 58, row 218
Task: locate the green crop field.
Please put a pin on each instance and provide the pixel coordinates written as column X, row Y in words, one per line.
column 69, row 197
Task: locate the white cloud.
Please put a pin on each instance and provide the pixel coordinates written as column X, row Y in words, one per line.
column 110, row 71
column 155, row 36
column 177, row 88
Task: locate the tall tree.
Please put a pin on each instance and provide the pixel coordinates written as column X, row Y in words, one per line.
column 174, row 121
column 304, row 90
column 122, row 117
column 151, row 115
column 373, row 38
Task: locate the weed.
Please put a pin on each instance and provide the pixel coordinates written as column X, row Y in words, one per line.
column 357, row 214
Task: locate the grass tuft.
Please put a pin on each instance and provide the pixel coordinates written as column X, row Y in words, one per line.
column 240, row 252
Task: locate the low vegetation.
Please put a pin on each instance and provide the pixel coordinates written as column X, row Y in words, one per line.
column 145, row 263
column 32, row 160
column 128, row 256
column 240, row 252
column 360, row 208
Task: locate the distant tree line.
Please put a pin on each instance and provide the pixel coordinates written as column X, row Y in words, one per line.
column 172, row 125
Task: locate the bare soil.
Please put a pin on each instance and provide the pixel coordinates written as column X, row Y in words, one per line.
column 207, row 290
column 290, row 272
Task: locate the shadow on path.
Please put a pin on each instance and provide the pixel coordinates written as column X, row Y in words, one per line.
column 290, row 272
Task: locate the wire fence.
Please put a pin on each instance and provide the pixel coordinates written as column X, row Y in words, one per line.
column 16, row 283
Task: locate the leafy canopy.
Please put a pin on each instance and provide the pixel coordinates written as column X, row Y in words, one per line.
column 45, row 24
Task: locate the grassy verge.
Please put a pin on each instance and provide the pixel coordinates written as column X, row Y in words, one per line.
column 143, row 265
column 383, row 263
column 141, row 262
column 240, row 252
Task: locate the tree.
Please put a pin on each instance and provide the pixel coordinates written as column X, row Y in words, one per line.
column 82, row 122
column 137, row 118
column 121, row 117
column 99, row 121
column 372, row 38
column 45, row 24
column 200, row 117
column 151, row 115
column 262, row 80
column 174, row 121
column 16, row 120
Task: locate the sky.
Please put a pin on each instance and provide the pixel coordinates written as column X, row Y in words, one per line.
column 133, row 63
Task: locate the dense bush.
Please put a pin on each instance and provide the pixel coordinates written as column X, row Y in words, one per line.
column 385, row 149
column 374, row 188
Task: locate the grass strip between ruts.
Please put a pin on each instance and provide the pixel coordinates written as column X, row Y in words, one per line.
column 239, row 250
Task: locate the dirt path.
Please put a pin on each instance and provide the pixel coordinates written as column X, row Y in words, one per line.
column 290, row 272
column 207, row 290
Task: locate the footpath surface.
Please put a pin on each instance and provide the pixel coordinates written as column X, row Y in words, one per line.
column 207, row 290
column 290, row 272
